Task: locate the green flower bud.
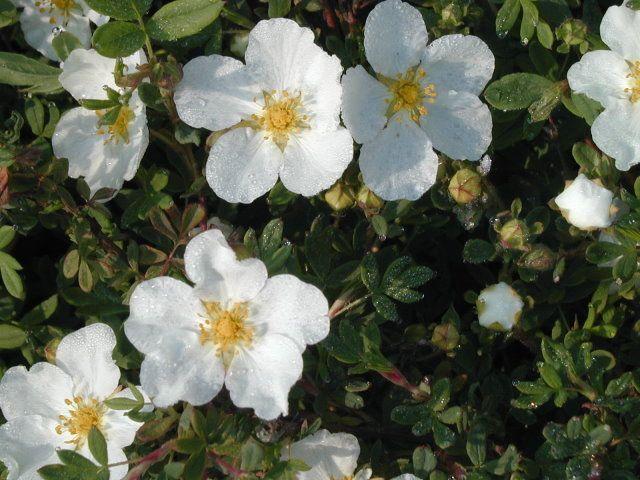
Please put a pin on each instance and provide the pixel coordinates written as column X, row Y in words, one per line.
column 445, row 337
column 539, row 258
column 339, row 196
column 50, row 350
column 465, row 186
column 368, row 199
column 513, row 234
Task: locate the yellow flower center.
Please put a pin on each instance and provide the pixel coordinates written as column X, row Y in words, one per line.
column 226, row 328
column 119, row 129
column 55, row 8
column 410, row 93
column 282, row 115
column 634, row 90
column 84, row 414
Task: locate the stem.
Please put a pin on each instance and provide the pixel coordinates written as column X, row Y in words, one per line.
column 340, row 306
column 396, row 377
column 145, row 462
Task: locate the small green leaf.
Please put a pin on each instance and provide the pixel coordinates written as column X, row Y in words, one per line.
column 120, row 9
column 11, row 337
column 507, row 16
column 98, row 446
column 516, row 91
column 118, row 39
column 478, row 251
column 369, row 272
column 64, row 43
column 85, row 277
column 7, row 233
column 279, row 8
column 181, row 18
column 34, row 113
column 12, row 281
column 21, row 71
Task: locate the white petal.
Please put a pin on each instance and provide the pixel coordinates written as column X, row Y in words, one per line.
column 212, row 265
column 459, row 62
column 585, row 204
column 243, row 165
column 118, row 429
column 459, row 125
column 395, row 37
column 183, row 370
column 92, row 15
column 330, row 455
column 406, row 476
column 293, row 308
column 363, row 104
column 322, row 92
column 28, row 443
column 115, row 455
column 499, row 307
column 216, row 92
column 41, row 390
column 161, row 309
column 363, row 474
column 261, row 376
column 616, row 131
column 400, row 162
column 39, row 33
column 620, row 30
column 103, row 162
column 87, row 356
column 85, row 73
column 314, row 160
column 601, row 75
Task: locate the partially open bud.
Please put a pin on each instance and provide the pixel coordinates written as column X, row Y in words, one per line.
column 465, row 186
column 50, row 350
column 339, row 196
column 513, row 234
column 368, row 199
column 499, row 307
column 445, row 337
column 586, row 204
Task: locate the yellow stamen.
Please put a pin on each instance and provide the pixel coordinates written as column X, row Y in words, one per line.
column 226, row 328
column 634, row 90
column 282, row 115
column 83, row 415
column 409, row 93
column 119, row 130
column 57, row 8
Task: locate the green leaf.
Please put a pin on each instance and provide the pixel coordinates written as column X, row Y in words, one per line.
column 7, row 233
column 478, row 251
column 8, row 13
column 516, row 91
column 626, row 266
column 122, row 403
column 550, row 376
column 544, row 34
column 181, row 18
column 21, row 71
column 120, row 9
column 34, row 113
column 98, row 446
column 118, row 39
column 424, row 461
column 271, row 238
column 64, row 43
column 529, row 21
column 385, row 307
column 195, row 466
column 85, row 277
column 11, row 337
column 12, row 281
column 41, row 312
column 443, row 435
column 70, row 264
column 476, row 444
column 507, row 16
column 369, row 272
column 279, row 8
column 604, row 252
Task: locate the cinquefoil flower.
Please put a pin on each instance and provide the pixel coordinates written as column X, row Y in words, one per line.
column 280, row 114
column 330, row 456
column 42, row 20
column 612, row 77
column 53, row 407
column 499, row 307
column 234, row 327
column 421, row 98
column 105, row 155
column 586, row 204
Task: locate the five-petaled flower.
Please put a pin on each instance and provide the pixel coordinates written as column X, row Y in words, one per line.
column 422, row 97
column 612, row 77
column 234, row 327
column 53, row 407
column 279, row 114
column 104, row 154
column 42, row 20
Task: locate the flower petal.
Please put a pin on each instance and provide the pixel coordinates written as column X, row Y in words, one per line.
column 183, row 370
column 616, row 131
column 87, row 356
column 329, row 455
column 459, row 62
column 314, row 160
column 586, row 204
column 261, row 376
column 602, row 76
column 395, row 37
column 620, row 30
column 118, row 429
column 459, row 125
column 216, row 92
column 41, row 390
column 243, row 165
column 363, row 104
column 400, row 162
column 161, row 309
column 293, row 308
column 212, row 265
column 115, row 455
column 28, row 443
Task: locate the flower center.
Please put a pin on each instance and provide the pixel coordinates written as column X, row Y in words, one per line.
column 282, row 115
column 410, row 93
column 119, row 129
column 83, row 415
column 634, row 90
column 226, row 329
column 53, row 7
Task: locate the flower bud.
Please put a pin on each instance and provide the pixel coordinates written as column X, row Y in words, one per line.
column 499, row 307
column 339, row 196
column 540, row 258
column 586, row 205
column 368, row 199
column 50, row 350
column 465, row 186
column 513, row 234
column 445, row 337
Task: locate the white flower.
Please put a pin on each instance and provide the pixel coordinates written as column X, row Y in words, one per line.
column 105, row 156
column 499, row 307
column 423, row 98
column 234, row 327
column 280, row 113
column 42, row 20
column 613, row 79
column 330, row 456
column 53, row 407
column 586, row 204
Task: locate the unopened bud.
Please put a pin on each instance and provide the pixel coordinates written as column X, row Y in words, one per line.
column 465, row 186
column 513, row 234
column 540, row 258
column 499, row 307
column 339, row 196
column 368, row 199
column 50, row 350
column 445, row 337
